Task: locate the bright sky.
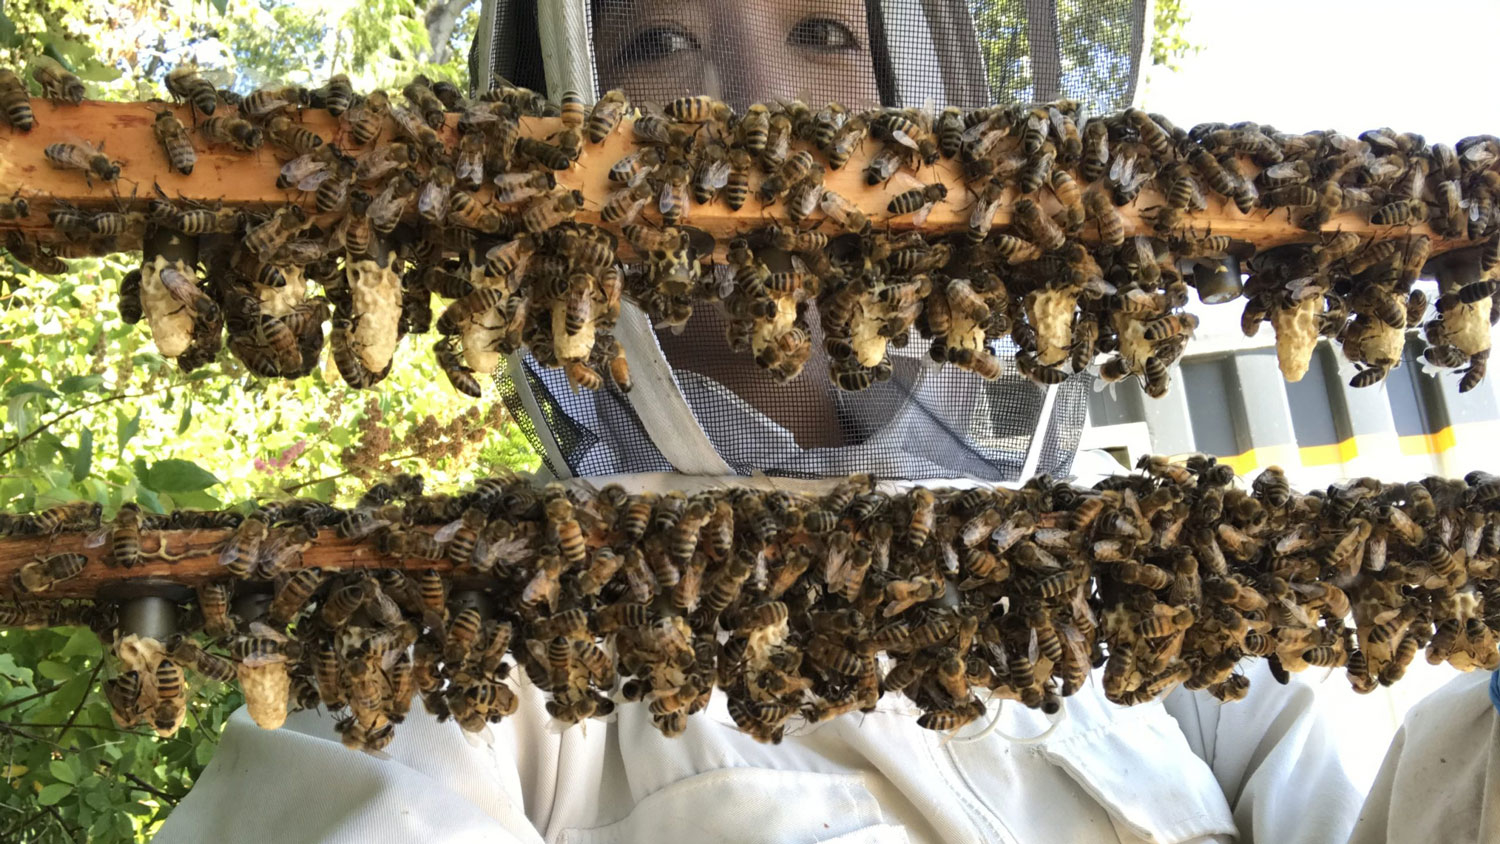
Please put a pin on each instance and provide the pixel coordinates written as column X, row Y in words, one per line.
column 1415, row 65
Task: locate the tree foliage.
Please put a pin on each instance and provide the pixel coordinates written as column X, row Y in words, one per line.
column 1094, row 54
column 92, row 412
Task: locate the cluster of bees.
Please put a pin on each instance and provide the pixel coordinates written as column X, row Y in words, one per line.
column 799, row 608
column 397, row 208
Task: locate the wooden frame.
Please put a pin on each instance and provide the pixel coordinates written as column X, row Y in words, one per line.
column 248, row 181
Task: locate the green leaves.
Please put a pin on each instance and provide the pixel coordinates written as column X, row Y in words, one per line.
column 55, row 671
column 30, row 388
column 83, row 455
column 53, row 794
column 8, row 37
column 63, row 772
column 126, row 428
column 179, row 440
column 176, row 475
column 79, row 383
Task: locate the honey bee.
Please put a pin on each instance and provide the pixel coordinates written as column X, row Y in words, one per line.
column 606, row 114
column 1038, row 228
column 565, row 528
column 951, row 719
column 548, row 211
column 710, row 174
column 242, row 550
column 1172, row 325
column 213, row 666
column 918, row 202
column 265, row 238
column 124, row 693
column 43, row 573
column 385, row 210
column 213, row 605
column 674, row 202
column 366, row 118
column 232, row 131
column 1095, row 150
column 543, row 153
column 125, row 535
column 450, row 360
column 58, row 83
column 844, row 212
column 288, row 135
column 337, row 95
column 883, row 166
column 420, row 94
column 1406, row 212
column 173, row 137
column 263, row 103
column 184, row 84
column 293, row 594
column 15, row 101
column 1038, row 170
column 518, row 187
column 701, row 109
column 81, row 156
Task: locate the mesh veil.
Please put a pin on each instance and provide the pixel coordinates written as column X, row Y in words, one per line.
column 925, row 422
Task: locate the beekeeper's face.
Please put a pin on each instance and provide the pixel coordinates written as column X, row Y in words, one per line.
column 741, row 51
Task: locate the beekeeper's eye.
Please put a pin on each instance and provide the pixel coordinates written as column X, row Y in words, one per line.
column 824, row 35
column 655, row 44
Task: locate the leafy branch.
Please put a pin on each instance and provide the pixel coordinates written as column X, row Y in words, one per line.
column 20, row 441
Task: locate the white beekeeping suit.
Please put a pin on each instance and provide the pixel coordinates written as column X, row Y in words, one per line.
column 1441, row 777
column 1188, row 769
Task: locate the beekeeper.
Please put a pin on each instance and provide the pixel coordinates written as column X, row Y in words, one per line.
column 1441, row 777
column 1186, row 769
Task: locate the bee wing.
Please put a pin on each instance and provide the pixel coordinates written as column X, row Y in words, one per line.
column 1198, row 202
column 900, row 137
column 182, row 287
column 405, row 120
column 833, row 204
column 1097, row 284
column 1075, row 643
column 920, row 216
column 718, row 175
column 1304, row 288
column 470, row 167
column 1121, row 168
column 260, row 628
column 484, row 739
column 975, row 132
column 432, row 204
column 1031, row 645
column 448, row 531
column 511, row 550
column 1059, row 121
column 313, row 180
column 298, row 168
column 983, row 212
column 1282, row 170
column 98, row 537
column 1480, row 155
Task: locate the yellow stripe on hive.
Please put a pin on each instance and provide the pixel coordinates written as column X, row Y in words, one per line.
column 1260, row 457
column 1332, row 454
column 1416, row 444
